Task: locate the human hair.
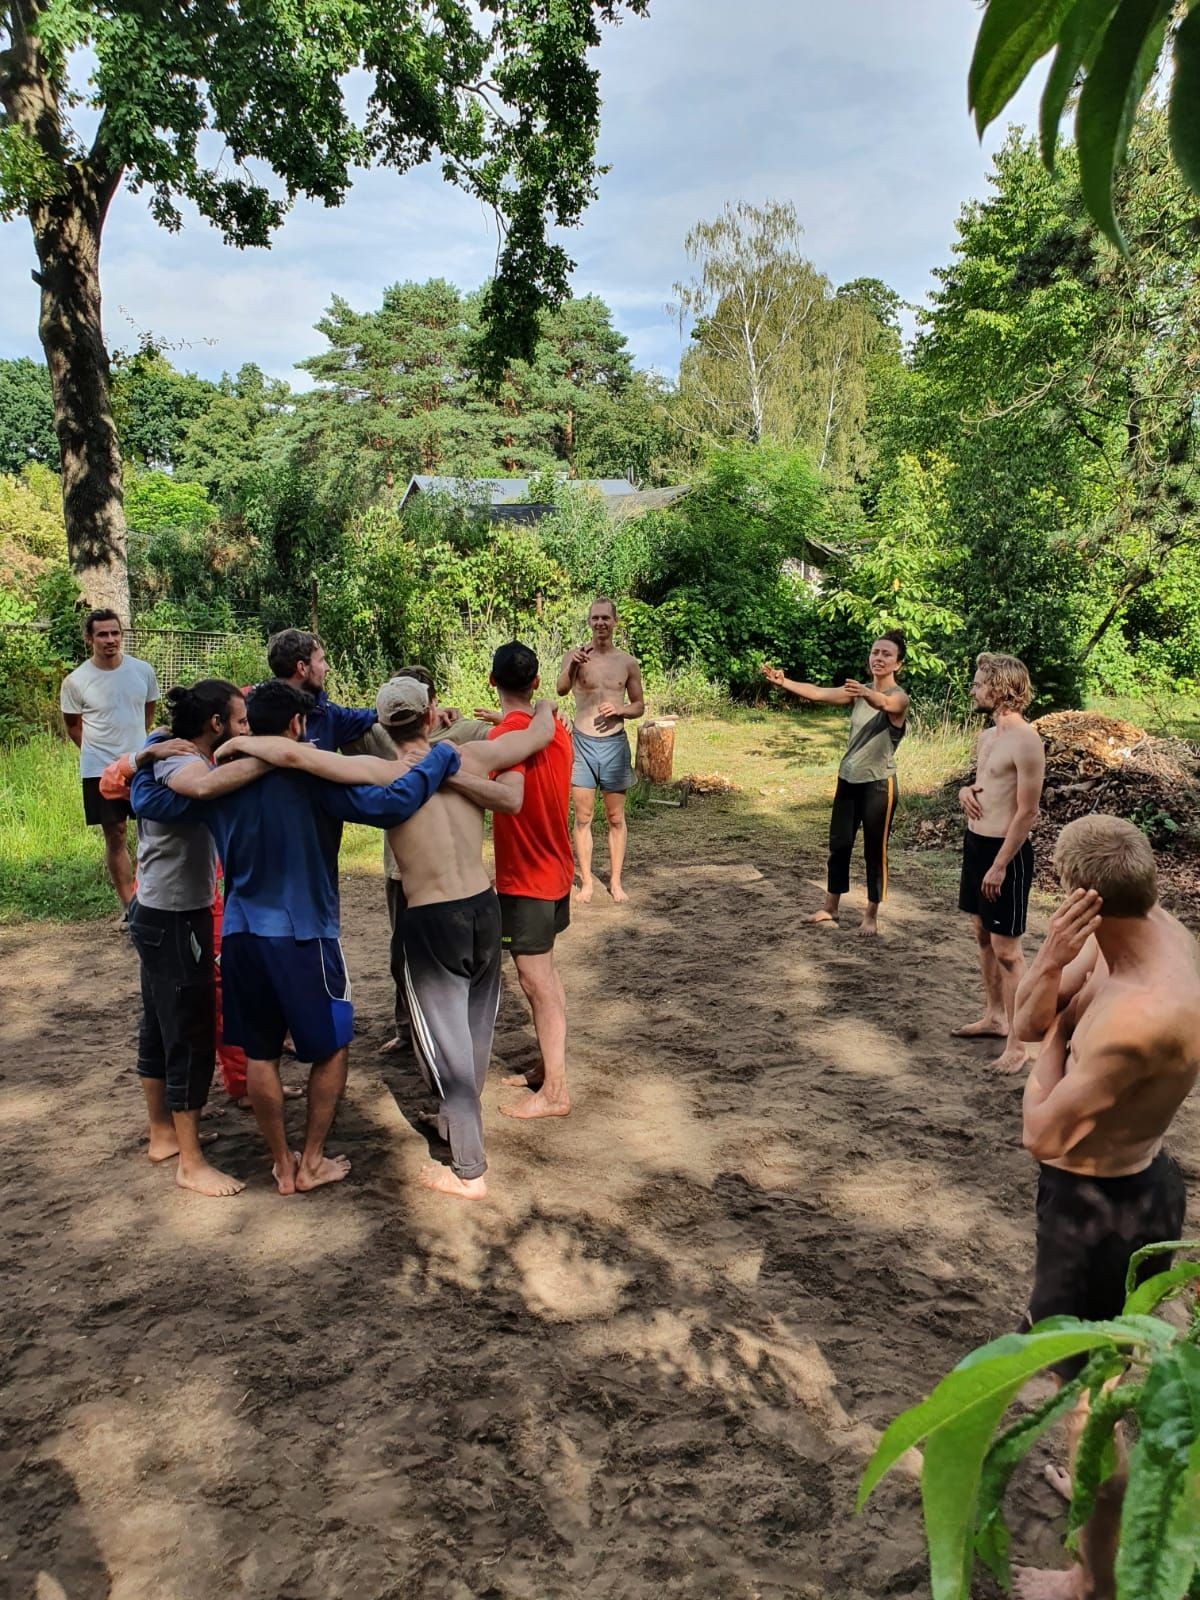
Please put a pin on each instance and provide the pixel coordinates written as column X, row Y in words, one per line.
column 514, row 667
column 192, row 709
column 603, row 600
column 421, row 674
column 1111, row 856
column 102, row 614
column 408, row 727
column 1008, row 679
column 288, row 648
column 270, row 706
column 894, row 636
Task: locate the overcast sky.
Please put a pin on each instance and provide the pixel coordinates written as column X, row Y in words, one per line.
column 855, row 111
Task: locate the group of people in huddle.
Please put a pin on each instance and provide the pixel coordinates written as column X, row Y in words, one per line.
column 253, row 786
column 1110, row 1009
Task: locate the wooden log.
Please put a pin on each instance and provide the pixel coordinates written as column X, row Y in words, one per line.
column 655, row 750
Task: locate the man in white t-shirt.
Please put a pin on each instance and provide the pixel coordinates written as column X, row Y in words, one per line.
column 108, row 706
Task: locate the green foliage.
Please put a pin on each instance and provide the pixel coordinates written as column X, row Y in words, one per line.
column 965, row 1468
column 31, row 671
column 26, row 415
column 153, row 405
column 51, row 866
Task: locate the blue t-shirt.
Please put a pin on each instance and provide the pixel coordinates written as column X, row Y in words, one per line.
column 333, row 727
column 278, row 839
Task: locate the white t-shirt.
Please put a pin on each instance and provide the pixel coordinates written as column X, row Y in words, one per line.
column 112, row 704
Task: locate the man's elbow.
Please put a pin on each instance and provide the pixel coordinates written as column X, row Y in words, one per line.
column 1042, row 1144
column 508, row 803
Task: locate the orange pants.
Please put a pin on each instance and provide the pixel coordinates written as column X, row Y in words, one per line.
column 231, row 1059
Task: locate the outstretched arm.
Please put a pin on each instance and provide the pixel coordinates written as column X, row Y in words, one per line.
column 386, row 807
column 327, row 764
column 510, row 749
column 807, row 691
column 199, row 781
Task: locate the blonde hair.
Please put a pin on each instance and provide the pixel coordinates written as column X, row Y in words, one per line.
column 1008, row 679
column 603, row 600
column 1112, row 857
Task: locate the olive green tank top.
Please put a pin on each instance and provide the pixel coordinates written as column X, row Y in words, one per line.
column 871, row 754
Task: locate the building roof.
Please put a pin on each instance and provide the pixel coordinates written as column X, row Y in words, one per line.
column 505, row 491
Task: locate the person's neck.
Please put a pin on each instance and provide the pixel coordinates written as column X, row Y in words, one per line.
column 305, row 685
column 884, row 680
column 1003, row 718
column 207, row 744
column 511, row 700
column 418, row 746
column 105, row 664
column 1126, row 943
column 602, row 646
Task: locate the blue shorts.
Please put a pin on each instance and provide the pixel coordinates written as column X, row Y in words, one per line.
column 603, row 763
column 273, row 986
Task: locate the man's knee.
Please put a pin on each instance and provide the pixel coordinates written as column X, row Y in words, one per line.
column 116, row 836
column 1007, row 952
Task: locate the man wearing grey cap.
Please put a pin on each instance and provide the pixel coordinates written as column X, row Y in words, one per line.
column 452, row 916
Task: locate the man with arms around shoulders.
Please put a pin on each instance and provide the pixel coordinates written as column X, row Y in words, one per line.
column 866, row 791
column 451, row 917
column 534, row 870
column 108, row 707
column 607, row 685
column 1001, row 807
column 297, row 657
column 1113, row 997
column 281, row 959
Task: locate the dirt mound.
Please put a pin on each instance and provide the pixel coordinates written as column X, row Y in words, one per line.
column 1087, row 741
column 707, row 783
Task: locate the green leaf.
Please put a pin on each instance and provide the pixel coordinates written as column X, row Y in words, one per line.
column 1094, row 1455
column 1161, row 1287
column 1078, row 40
column 1148, row 1252
column 1160, row 1516
column 996, row 1368
column 1185, row 99
column 1012, row 36
column 1109, row 100
column 992, row 1539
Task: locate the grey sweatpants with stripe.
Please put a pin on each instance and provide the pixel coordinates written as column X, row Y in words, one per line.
column 452, row 982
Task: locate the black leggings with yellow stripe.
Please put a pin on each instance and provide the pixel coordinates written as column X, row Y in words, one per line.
column 871, row 807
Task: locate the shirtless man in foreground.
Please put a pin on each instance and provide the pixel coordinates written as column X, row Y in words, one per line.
column 607, row 685
column 1115, row 994
column 1001, row 807
column 451, row 916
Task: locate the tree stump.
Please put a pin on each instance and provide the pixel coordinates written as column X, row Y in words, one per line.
column 655, row 750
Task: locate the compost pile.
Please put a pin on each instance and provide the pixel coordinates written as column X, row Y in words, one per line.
column 1097, row 763
column 707, row 783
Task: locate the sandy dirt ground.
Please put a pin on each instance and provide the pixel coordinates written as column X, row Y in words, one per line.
column 654, row 1364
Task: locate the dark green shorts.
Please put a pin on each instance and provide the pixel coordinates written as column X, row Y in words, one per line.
column 530, row 927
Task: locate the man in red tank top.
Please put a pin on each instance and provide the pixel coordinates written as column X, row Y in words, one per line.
column 534, row 871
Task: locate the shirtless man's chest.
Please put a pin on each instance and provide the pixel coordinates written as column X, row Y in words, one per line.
column 601, row 679
column 995, row 781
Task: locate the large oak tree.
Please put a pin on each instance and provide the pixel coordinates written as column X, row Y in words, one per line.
column 208, row 100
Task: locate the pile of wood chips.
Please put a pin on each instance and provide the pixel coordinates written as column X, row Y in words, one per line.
column 707, row 783
column 1102, row 764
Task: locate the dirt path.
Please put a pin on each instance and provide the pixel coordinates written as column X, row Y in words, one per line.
column 785, row 1204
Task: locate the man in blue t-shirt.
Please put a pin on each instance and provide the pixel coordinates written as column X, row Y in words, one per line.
column 298, row 658
column 281, row 960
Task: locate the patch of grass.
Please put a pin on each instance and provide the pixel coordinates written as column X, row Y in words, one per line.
column 1165, row 716
column 51, row 863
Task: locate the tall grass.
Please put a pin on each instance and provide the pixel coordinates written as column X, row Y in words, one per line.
column 51, row 863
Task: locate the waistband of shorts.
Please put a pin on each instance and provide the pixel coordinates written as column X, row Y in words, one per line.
column 163, row 917
column 600, row 738
column 434, row 908
column 1128, row 1183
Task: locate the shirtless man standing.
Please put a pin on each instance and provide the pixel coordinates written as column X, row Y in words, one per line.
column 607, row 684
column 1001, row 807
column 1115, row 994
column 451, row 915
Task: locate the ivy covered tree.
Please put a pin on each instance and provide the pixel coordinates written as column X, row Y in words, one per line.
column 503, row 90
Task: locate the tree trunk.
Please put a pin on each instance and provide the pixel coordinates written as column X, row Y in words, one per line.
column 656, row 750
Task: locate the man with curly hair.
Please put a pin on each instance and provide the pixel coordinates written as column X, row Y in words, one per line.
column 1001, row 807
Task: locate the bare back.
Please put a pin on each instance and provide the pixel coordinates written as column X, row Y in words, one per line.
column 439, row 850
column 998, row 756
column 603, row 678
column 1131, row 1045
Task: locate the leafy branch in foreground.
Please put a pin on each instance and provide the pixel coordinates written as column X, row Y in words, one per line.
column 1109, row 50
column 1137, row 1366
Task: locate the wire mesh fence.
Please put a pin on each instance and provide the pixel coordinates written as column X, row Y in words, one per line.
column 180, row 655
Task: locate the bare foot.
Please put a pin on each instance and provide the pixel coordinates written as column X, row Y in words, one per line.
column 442, row 1181
column 168, row 1146
column 1058, row 1480
column 208, row 1180
column 618, row 893
column 390, row 1046
column 1013, row 1059
column 294, row 1091
column 286, row 1181
column 330, row 1169
column 817, row 917
column 985, row 1028
column 1030, row 1584
column 522, row 1080
column 586, row 891
column 867, row 928
column 243, row 1104
column 537, row 1106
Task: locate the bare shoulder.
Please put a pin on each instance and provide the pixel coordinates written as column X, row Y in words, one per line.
column 474, row 756
column 630, row 663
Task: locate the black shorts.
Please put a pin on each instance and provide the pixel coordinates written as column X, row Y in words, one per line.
column 1087, row 1230
column 1005, row 914
column 271, row 987
column 97, row 810
column 530, row 927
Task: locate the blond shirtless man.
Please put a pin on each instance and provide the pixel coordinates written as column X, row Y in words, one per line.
column 1115, row 994
column 607, row 685
column 451, row 916
column 1001, row 807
